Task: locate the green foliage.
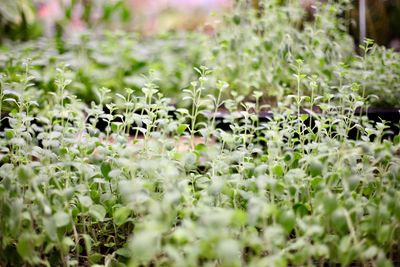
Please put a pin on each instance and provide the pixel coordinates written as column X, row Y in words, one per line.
column 254, row 52
column 254, row 49
column 162, row 185
column 18, row 20
column 73, row 195
column 255, row 46
column 114, row 61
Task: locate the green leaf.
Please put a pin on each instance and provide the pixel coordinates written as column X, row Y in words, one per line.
column 105, row 170
column 144, row 245
column 316, row 181
column 304, row 117
column 109, row 245
column 278, row 170
column 95, row 257
column 236, row 19
column 9, row 134
column 371, row 252
column 239, row 218
column 3, row 190
column 66, row 243
column 25, row 246
column 228, row 251
column 121, row 215
column 396, row 140
column 199, row 147
column 61, row 219
column 287, row 220
column 330, row 203
column 384, row 234
column 315, row 168
column 25, row 174
column 98, row 212
column 115, row 126
column 181, row 128
column 85, row 201
column 88, row 243
column 300, row 209
column 124, row 252
column 50, row 228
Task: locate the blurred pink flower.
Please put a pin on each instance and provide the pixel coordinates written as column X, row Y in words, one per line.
column 49, row 10
column 147, row 12
column 151, row 6
column 205, row 4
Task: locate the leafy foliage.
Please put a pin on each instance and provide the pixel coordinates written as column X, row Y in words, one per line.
column 255, row 45
column 113, row 60
column 17, row 20
column 251, row 51
column 282, row 192
column 126, row 178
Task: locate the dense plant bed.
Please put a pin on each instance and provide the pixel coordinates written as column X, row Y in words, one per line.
column 98, row 167
column 254, row 51
column 390, row 116
column 282, row 192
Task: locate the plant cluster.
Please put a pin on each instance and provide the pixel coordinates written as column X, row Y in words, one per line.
column 114, row 60
column 163, row 186
column 255, row 44
column 17, row 20
column 101, row 166
column 250, row 51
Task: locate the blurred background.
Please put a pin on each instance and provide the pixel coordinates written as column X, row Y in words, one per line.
column 28, row 19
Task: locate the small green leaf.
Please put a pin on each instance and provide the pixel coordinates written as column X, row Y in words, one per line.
column 61, row 219
column 88, row 243
column 25, row 246
column 109, row 245
column 316, row 181
column 144, row 245
column 300, row 209
column 105, row 170
column 330, row 203
column 121, row 215
column 95, row 257
column 115, row 126
column 239, row 218
column 396, row 140
column 50, row 228
column 287, row 220
column 124, row 252
column 25, row 174
column 236, row 19
column 304, row 117
column 68, row 242
column 278, row 170
column 228, row 251
column 85, row 201
column 98, row 212
column 315, row 168
column 199, row 147
column 9, row 134
column 181, row 128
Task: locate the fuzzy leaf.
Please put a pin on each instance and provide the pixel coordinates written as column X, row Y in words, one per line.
column 98, row 212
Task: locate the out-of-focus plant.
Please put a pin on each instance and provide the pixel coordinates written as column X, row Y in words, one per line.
column 112, row 60
column 378, row 70
column 17, row 20
column 72, row 195
column 259, row 41
column 257, row 45
column 81, row 15
column 253, row 50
